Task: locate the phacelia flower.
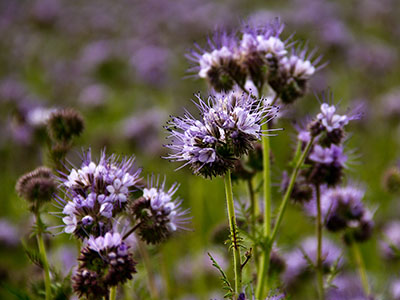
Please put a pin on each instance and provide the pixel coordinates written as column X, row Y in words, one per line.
column 289, row 75
column 347, row 287
column 297, row 261
column 64, row 124
column 220, row 64
column 37, row 186
column 327, row 165
column 343, row 210
column 390, row 245
column 158, row 213
column 229, row 126
column 260, row 45
column 103, row 263
column 97, row 192
column 332, row 124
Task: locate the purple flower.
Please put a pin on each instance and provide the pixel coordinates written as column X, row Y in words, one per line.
column 297, row 264
column 158, row 213
column 395, row 289
column 96, row 192
column 332, row 155
column 391, row 241
column 220, row 64
column 264, row 40
column 346, row 287
column 230, row 124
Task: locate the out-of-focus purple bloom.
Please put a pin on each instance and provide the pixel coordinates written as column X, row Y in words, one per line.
column 142, row 130
column 96, row 192
column 93, row 95
column 391, row 240
column 9, row 235
column 230, row 124
column 151, row 64
column 346, row 287
column 332, row 155
column 395, row 289
column 297, row 264
column 390, row 104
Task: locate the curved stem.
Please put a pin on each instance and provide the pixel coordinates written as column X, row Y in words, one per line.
column 233, row 231
column 361, row 267
column 113, row 293
column 42, row 251
column 262, row 274
column 320, row 278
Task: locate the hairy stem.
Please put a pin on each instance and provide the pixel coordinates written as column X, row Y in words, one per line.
column 42, row 251
column 361, row 267
column 233, row 231
column 264, row 264
column 320, row 278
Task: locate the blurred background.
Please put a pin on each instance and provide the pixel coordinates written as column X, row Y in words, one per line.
column 122, row 65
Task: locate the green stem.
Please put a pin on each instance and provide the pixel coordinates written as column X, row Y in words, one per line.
column 264, row 264
column 320, row 278
column 361, row 267
column 254, row 214
column 42, row 251
column 113, row 293
column 232, row 224
column 147, row 265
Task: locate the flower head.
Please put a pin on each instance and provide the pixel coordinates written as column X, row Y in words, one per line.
column 327, row 165
column 105, row 262
column 37, row 186
column 97, row 191
column 229, row 126
column 219, row 64
column 289, row 75
column 158, row 213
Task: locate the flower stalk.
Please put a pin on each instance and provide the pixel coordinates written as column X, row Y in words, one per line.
column 264, row 263
column 233, row 232
column 361, row 267
column 320, row 278
column 42, row 251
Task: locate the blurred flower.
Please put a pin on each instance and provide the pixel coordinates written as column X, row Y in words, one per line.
column 9, row 235
column 229, row 126
column 93, row 95
column 142, row 130
column 297, row 263
column 347, row 287
column 157, row 213
column 327, row 165
column 395, row 289
column 390, row 244
column 37, row 187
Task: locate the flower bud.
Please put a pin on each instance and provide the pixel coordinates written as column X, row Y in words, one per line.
column 391, row 180
column 64, row 124
column 37, row 186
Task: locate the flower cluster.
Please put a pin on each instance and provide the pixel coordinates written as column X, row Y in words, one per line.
column 230, row 123
column 260, row 55
column 97, row 192
column 157, row 213
column 103, row 263
column 343, row 210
